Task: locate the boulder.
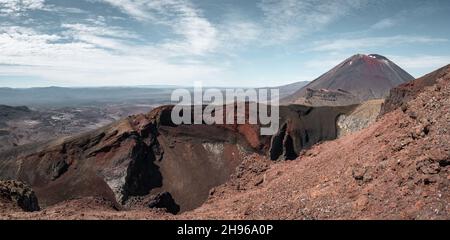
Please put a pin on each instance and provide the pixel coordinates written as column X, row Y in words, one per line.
column 20, row 194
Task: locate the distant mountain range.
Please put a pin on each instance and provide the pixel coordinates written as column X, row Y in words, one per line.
column 289, row 89
column 62, row 97
column 76, row 96
column 357, row 79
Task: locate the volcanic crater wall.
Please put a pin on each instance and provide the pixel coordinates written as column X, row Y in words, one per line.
column 146, row 157
column 301, row 127
column 138, row 156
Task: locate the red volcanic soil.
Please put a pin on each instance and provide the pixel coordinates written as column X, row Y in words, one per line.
column 358, row 78
column 146, row 160
column 405, row 92
column 88, row 208
column 399, row 168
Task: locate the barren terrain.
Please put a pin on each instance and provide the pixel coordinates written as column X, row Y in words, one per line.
column 397, row 168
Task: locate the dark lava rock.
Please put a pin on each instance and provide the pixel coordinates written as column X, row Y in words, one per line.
column 362, row 174
column 428, row 166
column 4, row 133
column 164, row 200
column 59, row 168
column 19, row 193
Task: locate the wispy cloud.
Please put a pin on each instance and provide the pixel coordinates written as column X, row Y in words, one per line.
column 147, row 41
column 199, row 35
column 418, row 63
column 16, row 7
column 384, row 23
column 291, row 19
column 283, row 20
column 99, row 30
column 95, row 53
column 364, row 43
column 324, row 63
column 423, row 9
column 85, row 60
column 100, row 36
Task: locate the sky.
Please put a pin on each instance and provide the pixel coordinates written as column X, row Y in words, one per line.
column 220, row 43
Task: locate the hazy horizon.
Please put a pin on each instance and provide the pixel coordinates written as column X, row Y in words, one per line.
column 128, row 43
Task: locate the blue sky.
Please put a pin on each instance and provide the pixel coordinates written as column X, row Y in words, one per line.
column 221, row 43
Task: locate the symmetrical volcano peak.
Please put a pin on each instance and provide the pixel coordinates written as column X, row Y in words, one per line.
column 365, row 77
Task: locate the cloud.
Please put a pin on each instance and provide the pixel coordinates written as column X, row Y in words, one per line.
column 92, row 52
column 324, row 63
column 362, row 43
column 199, row 36
column 421, row 64
column 107, row 47
column 16, row 7
column 384, row 23
column 283, row 20
column 291, row 19
column 421, row 10
column 101, row 36
column 139, row 9
column 236, row 33
column 99, row 29
column 84, row 61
